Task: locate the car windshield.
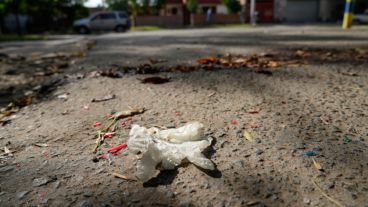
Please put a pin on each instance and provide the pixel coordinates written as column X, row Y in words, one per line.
column 104, row 16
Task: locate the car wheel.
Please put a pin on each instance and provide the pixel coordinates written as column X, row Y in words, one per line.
column 83, row 30
column 120, row 28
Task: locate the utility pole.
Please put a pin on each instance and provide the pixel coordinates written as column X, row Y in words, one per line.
column 253, row 17
column 348, row 14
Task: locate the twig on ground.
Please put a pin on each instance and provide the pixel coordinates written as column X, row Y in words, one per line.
column 123, row 177
column 111, row 127
column 327, row 196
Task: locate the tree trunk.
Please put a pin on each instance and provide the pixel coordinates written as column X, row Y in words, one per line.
column 242, row 14
column 192, row 23
column 19, row 32
column 1, row 24
column 133, row 21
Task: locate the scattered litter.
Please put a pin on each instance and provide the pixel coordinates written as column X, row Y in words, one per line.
column 45, row 154
column 177, row 113
column 64, row 96
column 211, row 94
column 96, row 124
column 41, row 145
column 123, row 177
column 316, row 164
column 168, row 147
column 117, row 149
column 310, row 153
column 105, row 98
column 126, row 123
column 86, row 107
column 108, row 135
column 155, row 61
column 120, row 115
column 155, row 80
column 7, row 151
column 346, row 140
column 248, row 136
column 234, row 122
column 102, row 157
column 253, row 126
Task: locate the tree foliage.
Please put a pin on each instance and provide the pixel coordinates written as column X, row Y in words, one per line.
column 192, row 6
column 118, row 5
column 233, row 6
column 46, row 14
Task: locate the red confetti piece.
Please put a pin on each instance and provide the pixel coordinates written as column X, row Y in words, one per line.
column 108, row 135
column 234, row 122
column 45, row 154
column 96, row 124
column 126, row 123
column 42, row 195
column 253, row 126
column 102, row 157
column 177, row 114
column 117, row 149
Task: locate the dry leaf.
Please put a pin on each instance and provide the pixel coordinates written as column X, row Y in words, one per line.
column 248, row 136
column 207, row 60
column 317, row 164
column 155, row 80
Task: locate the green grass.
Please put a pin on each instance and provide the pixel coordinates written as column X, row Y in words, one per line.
column 15, row 37
column 147, row 28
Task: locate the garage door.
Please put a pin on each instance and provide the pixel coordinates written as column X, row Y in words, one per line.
column 302, row 11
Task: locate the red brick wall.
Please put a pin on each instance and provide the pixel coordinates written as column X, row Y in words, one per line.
column 177, row 21
column 162, row 21
column 200, row 19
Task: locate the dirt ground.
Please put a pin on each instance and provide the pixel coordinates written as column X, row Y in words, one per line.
column 319, row 108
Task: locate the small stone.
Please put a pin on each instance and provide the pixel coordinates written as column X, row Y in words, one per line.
column 300, row 146
column 57, row 184
column 186, row 204
column 259, row 152
column 328, row 186
column 22, row 194
column 170, row 194
column 222, row 204
column 306, row 200
column 6, row 169
column 40, row 181
column 85, row 204
column 239, row 163
column 88, row 194
column 223, row 144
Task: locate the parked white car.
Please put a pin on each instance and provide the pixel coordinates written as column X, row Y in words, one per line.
column 361, row 18
column 112, row 20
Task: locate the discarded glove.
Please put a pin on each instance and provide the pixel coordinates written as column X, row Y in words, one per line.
column 168, row 148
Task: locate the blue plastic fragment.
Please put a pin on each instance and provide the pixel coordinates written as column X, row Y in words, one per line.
column 310, row 153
